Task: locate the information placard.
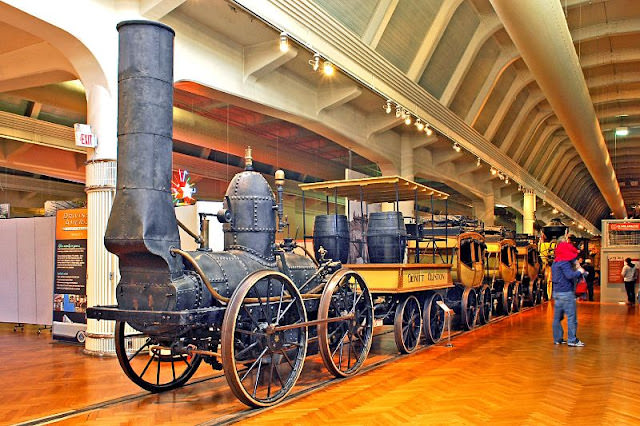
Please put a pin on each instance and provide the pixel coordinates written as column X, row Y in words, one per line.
column 70, row 285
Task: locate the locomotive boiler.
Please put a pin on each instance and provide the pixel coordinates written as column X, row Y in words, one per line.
column 251, row 309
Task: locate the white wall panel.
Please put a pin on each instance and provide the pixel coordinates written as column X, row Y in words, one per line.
column 45, row 234
column 8, row 272
column 25, row 250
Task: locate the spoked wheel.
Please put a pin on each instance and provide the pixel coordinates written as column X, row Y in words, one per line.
column 485, row 305
column 262, row 358
column 434, row 318
column 469, row 308
column 507, row 299
column 407, row 325
column 344, row 344
column 540, row 292
column 153, row 364
column 517, row 296
column 533, row 292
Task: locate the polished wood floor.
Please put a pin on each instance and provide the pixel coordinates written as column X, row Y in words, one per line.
column 506, row 373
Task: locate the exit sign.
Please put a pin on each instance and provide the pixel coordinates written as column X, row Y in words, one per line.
column 84, row 136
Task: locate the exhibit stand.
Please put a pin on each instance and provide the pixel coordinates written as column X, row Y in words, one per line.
column 620, row 239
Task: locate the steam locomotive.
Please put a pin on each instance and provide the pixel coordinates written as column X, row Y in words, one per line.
column 259, row 302
column 253, row 309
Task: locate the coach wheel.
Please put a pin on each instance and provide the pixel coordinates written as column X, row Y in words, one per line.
column 153, row 364
column 407, row 325
column 485, row 305
column 469, row 308
column 345, row 344
column 434, row 318
column 507, row 299
column 261, row 361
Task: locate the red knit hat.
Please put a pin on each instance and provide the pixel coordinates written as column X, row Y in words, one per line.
column 565, row 251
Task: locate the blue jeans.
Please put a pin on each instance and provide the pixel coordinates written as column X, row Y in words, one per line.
column 565, row 303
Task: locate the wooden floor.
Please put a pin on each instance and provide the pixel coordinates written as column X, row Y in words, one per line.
column 506, row 373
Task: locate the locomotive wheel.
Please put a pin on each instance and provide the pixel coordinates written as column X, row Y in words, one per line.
column 469, row 308
column 345, row 293
column 262, row 364
column 407, row 325
column 434, row 318
column 507, row 299
column 517, row 296
column 150, row 363
column 485, row 305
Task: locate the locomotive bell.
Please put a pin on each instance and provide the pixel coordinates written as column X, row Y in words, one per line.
column 251, row 202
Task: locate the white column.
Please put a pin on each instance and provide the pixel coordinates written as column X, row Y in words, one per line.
column 528, row 212
column 484, row 210
column 102, row 266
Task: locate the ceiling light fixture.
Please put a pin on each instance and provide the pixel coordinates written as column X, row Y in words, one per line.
column 554, row 211
column 328, row 68
column 315, row 62
column 478, row 162
column 622, row 131
column 493, row 171
column 428, row 130
column 419, row 125
column 387, row 106
column 398, row 111
column 506, row 179
column 284, row 42
column 457, row 147
column 407, row 119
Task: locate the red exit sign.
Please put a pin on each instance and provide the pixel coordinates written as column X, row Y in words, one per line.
column 84, row 136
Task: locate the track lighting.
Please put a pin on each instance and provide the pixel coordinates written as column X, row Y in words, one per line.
column 493, row 171
column 419, row 125
column 407, row 119
column 478, row 162
column 428, row 130
column 387, row 107
column 519, row 187
column 398, row 111
column 284, row 42
column 315, row 62
column 554, row 211
column 500, row 176
column 328, row 68
column 506, row 180
column 457, row 147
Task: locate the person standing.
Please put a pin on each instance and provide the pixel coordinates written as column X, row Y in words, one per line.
column 590, row 278
column 563, row 277
column 629, row 275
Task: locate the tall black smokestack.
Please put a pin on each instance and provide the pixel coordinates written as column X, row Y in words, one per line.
column 142, row 226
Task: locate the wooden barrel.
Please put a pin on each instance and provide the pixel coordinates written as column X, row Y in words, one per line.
column 331, row 231
column 386, row 237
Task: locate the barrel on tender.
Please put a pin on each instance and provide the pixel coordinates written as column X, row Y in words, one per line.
column 331, row 231
column 386, row 237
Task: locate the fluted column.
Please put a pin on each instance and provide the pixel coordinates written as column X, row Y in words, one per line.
column 100, row 185
column 102, row 266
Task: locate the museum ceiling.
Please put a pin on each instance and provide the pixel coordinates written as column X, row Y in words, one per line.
column 458, row 65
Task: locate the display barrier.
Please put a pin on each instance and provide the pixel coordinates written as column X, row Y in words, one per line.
column 27, row 265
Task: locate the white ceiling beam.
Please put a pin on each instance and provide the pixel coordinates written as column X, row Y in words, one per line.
column 488, row 27
column 158, row 9
column 379, row 21
column 34, row 65
column 519, row 83
column 264, row 58
column 432, row 38
column 335, row 97
column 426, row 141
